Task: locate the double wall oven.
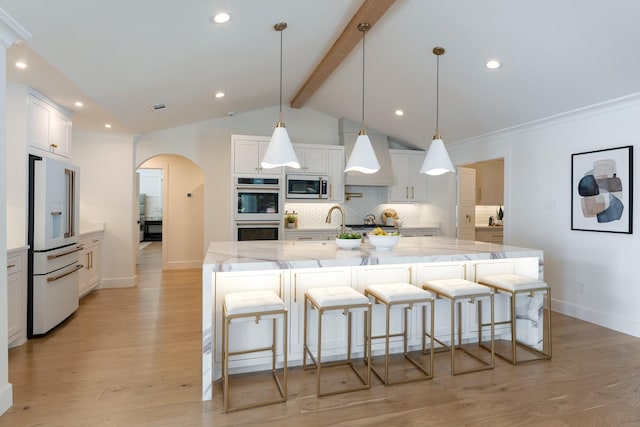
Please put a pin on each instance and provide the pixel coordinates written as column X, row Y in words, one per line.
column 258, row 208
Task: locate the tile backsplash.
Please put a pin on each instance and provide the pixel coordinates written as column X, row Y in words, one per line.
column 484, row 212
column 373, row 201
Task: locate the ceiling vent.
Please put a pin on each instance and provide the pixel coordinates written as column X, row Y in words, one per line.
column 158, row 107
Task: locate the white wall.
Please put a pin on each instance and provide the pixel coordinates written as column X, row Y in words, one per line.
column 151, row 188
column 538, row 207
column 108, row 195
column 6, row 393
column 208, row 145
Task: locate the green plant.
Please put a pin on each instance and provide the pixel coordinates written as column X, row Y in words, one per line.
column 290, row 219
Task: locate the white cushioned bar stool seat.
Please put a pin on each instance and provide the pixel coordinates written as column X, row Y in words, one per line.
column 405, row 296
column 457, row 290
column 346, row 300
column 513, row 285
column 254, row 306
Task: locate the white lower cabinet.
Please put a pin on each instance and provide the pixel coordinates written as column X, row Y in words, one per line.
column 419, row 232
column 334, row 325
column 16, row 297
column 249, row 335
column 90, row 258
column 306, row 235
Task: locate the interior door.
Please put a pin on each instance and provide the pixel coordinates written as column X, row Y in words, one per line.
column 466, row 212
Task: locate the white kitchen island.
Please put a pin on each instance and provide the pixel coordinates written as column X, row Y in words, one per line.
column 291, row 267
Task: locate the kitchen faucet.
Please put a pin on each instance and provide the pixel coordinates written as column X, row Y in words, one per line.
column 328, row 219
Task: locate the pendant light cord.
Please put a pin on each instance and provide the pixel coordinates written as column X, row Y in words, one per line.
column 281, row 75
column 363, row 33
column 437, row 94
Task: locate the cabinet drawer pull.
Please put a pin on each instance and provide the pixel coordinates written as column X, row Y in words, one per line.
column 304, row 238
column 10, row 266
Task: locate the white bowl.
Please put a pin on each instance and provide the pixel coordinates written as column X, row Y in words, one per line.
column 383, row 243
column 347, row 243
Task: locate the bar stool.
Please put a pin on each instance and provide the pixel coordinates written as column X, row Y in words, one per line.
column 513, row 285
column 254, row 306
column 456, row 291
column 337, row 299
column 405, row 296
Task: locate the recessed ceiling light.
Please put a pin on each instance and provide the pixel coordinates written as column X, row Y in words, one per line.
column 21, row 65
column 399, row 113
column 219, row 95
column 220, row 18
column 107, row 125
column 79, row 104
column 493, row 64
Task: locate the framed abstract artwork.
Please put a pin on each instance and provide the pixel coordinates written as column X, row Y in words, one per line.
column 602, row 190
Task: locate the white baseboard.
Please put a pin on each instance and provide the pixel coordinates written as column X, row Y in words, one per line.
column 6, row 397
column 182, row 265
column 607, row 320
column 118, row 282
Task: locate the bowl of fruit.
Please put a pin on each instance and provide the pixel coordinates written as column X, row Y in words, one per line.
column 383, row 240
column 348, row 240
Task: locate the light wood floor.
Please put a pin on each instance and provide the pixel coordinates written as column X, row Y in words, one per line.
column 131, row 357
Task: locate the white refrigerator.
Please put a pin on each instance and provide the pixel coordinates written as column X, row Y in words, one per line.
column 53, row 243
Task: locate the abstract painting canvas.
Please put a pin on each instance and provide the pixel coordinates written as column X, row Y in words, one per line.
column 602, row 190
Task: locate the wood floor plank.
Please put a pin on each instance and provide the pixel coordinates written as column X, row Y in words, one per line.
column 131, row 357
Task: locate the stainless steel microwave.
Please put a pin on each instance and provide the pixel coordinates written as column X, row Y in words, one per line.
column 307, row 187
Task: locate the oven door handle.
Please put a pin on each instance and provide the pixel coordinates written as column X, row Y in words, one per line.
column 262, row 223
column 259, row 189
column 53, row 279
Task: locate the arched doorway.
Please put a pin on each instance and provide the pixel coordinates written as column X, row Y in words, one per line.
column 180, row 213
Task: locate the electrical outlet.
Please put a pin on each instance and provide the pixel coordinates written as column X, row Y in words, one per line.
column 581, row 287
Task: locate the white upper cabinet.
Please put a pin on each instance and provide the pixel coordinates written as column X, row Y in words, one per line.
column 335, row 170
column 48, row 125
column 247, row 155
column 313, row 160
column 409, row 185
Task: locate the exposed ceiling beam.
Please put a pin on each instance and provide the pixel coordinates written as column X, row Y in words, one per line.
column 370, row 11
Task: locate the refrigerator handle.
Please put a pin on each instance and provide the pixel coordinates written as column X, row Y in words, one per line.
column 71, row 202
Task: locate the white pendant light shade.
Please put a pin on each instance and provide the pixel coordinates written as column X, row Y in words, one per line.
column 280, row 152
column 437, row 160
column 363, row 158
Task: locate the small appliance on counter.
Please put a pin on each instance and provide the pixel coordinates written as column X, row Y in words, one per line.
column 389, row 217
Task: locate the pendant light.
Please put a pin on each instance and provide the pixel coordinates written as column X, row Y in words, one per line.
column 280, row 152
column 363, row 158
column 437, row 160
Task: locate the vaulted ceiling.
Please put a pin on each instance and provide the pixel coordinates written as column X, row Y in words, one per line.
column 121, row 56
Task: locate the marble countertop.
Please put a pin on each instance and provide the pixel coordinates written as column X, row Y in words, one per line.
column 289, row 254
column 333, row 227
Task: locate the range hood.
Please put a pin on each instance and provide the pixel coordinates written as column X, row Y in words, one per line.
column 348, row 132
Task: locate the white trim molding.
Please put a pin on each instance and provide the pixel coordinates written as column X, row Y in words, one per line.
column 11, row 30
